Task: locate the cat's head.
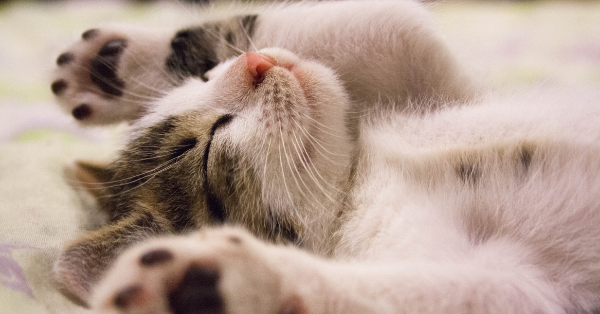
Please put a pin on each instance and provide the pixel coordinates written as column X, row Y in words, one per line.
column 258, row 145
column 263, row 144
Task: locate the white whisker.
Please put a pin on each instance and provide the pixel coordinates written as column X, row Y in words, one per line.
column 283, row 172
column 310, row 167
column 248, row 36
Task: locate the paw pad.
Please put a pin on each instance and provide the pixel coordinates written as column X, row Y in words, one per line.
column 234, row 239
column 87, row 74
column 103, row 68
column 197, row 292
column 59, row 87
column 129, row 296
column 82, row 112
column 112, row 74
column 156, row 257
column 90, row 33
column 214, row 271
column 65, row 59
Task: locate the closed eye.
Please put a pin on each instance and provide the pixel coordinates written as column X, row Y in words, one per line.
column 213, row 203
column 223, row 120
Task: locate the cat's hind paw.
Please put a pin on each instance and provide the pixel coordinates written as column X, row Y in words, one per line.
column 112, row 74
column 214, row 271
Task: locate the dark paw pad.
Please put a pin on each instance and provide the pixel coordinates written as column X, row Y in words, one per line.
column 156, row 257
column 82, row 112
column 197, row 293
column 128, row 296
column 90, row 33
column 65, row 59
column 103, row 68
column 193, row 52
column 59, row 87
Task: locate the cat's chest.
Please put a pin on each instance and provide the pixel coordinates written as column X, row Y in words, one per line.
column 396, row 215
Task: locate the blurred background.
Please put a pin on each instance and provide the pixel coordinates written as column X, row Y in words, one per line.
column 508, row 45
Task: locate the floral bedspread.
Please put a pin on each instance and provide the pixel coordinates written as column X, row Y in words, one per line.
column 510, row 45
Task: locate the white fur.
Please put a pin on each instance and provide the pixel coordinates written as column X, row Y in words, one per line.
column 415, row 238
column 479, row 207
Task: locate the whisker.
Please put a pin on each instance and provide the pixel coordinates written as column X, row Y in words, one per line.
column 266, row 163
column 163, row 154
column 324, row 127
column 311, row 170
column 292, row 168
column 248, row 36
column 154, row 65
column 283, row 172
column 125, row 91
column 151, row 177
column 131, row 179
column 318, row 201
column 169, row 77
column 316, row 141
column 219, row 36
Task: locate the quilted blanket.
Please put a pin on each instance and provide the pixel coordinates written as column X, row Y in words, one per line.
column 509, row 45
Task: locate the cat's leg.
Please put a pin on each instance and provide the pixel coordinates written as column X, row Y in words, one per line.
column 83, row 262
column 228, row 271
column 112, row 74
column 115, row 73
column 212, row 271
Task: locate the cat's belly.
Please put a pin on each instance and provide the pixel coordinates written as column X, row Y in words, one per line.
column 395, row 219
column 500, row 196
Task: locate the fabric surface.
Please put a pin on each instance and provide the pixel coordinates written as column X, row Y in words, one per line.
column 510, row 45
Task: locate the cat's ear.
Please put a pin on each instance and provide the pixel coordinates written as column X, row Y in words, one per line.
column 93, row 177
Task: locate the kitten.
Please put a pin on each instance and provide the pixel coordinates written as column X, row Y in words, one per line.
column 484, row 207
column 380, row 50
column 394, row 200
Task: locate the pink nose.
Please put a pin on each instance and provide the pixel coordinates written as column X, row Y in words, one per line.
column 258, row 64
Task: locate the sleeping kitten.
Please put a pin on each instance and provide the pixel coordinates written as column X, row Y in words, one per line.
column 394, row 201
column 479, row 208
column 384, row 50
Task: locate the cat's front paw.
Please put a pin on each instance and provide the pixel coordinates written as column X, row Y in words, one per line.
column 214, row 271
column 112, row 74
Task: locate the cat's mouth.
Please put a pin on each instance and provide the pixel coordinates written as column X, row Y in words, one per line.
column 281, row 83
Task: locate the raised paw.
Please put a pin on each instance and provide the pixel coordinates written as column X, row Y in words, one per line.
column 216, row 271
column 113, row 74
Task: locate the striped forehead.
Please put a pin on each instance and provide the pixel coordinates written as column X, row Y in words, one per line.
column 193, row 95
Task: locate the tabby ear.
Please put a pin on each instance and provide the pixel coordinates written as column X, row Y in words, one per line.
column 92, row 177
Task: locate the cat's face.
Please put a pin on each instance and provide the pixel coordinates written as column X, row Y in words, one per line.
column 263, row 143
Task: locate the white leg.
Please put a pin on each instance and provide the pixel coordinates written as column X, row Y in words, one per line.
column 229, row 271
